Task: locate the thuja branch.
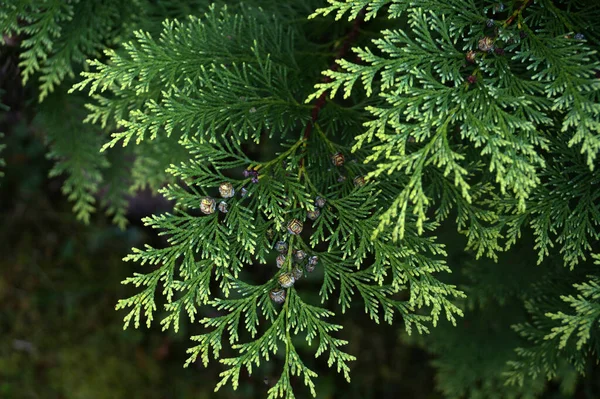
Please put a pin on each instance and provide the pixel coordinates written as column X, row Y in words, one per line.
column 350, row 38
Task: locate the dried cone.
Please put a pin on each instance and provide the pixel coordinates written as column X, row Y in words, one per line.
column 320, row 202
column 337, row 159
column 359, row 181
column 312, row 263
column 294, row 227
column 281, row 246
column 286, row 280
column 223, row 206
column 208, row 205
column 471, row 56
column 226, row 190
column 297, row 273
column 277, row 295
column 280, row 261
column 299, row 255
column 486, row 44
column 313, row 215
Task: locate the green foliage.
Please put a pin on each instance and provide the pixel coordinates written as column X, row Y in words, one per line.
column 77, row 155
column 354, row 8
column 564, row 330
column 423, row 94
column 225, row 246
column 238, row 103
column 484, row 339
column 482, row 116
column 563, row 210
column 58, row 37
column 526, row 355
column 215, row 75
column 62, row 34
column 586, row 318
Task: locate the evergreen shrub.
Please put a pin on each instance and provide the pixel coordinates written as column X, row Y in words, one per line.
column 334, row 146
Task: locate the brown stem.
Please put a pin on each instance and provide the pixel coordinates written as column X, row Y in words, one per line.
column 517, row 12
column 334, row 66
